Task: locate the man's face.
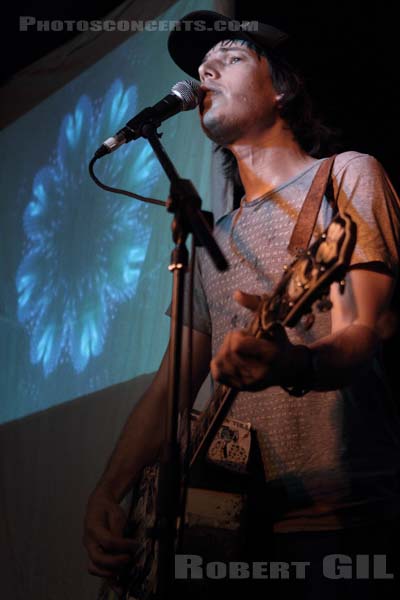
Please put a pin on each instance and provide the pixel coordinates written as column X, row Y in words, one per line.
column 239, row 99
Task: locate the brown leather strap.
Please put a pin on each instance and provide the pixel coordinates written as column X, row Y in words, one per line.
column 302, row 231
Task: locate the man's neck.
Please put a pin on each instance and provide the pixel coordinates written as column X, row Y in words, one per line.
column 269, row 160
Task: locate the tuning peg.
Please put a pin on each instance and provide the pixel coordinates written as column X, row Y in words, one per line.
column 324, row 304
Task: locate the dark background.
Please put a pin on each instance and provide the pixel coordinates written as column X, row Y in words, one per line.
column 348, row 53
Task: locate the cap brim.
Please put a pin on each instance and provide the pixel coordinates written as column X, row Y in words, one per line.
column 199, row 31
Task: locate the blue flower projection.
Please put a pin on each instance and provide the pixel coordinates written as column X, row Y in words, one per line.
column 84, row 248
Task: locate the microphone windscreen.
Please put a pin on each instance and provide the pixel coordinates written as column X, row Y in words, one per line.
column 188, row 91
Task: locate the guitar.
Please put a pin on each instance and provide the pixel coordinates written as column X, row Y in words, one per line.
column 226, row 442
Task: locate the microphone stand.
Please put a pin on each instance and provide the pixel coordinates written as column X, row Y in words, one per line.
column 184, row 202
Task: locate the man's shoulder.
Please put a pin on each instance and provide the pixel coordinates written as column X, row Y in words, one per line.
column 353, row 162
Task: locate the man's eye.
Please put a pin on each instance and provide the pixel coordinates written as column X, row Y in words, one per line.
column 235, row 59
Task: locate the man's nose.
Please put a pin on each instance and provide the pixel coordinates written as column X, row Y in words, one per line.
column 208, row 70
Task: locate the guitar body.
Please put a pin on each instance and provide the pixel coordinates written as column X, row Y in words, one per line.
column 215, row 516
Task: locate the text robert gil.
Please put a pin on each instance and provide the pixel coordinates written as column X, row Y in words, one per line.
column 334, row 566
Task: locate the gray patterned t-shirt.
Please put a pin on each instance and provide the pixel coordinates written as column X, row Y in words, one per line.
column 331, row 459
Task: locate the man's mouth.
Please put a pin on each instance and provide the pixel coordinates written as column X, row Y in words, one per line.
column 207, row 91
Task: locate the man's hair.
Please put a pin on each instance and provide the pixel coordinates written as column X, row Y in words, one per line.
column 295, row 108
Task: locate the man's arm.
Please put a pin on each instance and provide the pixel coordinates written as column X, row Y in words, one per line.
column 356, row 328
column 245, row 362
column 139, row 445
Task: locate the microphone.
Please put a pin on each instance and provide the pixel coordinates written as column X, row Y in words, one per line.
column 184, row 95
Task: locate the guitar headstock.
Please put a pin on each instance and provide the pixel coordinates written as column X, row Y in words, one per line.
column 308, row 278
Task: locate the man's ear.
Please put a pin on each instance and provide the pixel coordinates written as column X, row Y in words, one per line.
column 278, row 100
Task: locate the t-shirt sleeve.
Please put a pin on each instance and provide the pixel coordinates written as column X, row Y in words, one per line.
column 363, row 190
column 201, row 315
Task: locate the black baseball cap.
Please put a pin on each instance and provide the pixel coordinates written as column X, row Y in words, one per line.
column 196, row 33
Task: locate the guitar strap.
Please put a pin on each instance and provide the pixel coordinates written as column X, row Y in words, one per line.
column 304, row 227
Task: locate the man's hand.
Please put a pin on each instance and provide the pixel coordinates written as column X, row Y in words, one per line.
column 248, row 363
column 109, row 552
